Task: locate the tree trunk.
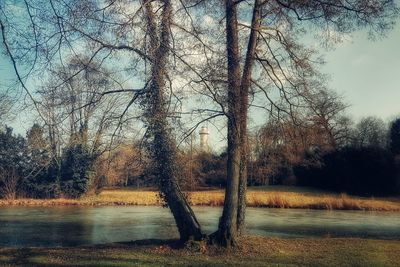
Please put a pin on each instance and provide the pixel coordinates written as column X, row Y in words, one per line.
column 227, row 228
column 244, row 101
column 242, row 181
column 163, row 151
column 162, row 146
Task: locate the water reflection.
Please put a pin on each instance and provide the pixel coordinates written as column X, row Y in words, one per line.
column 125, row 224
column 61, row 226
column 71, row 226
column 325, row 223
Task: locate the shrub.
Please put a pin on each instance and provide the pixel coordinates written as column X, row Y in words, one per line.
column 44, row 183
column 76, row 171
column 211, row 169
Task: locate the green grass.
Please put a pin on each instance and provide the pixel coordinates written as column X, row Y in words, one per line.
column 254, row 251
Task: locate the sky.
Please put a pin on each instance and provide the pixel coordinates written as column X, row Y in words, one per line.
column 365, row 72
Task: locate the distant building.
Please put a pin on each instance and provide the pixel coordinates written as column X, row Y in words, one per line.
column 204, row 139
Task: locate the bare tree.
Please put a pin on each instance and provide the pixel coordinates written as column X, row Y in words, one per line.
column 371, row 132
column 5, row 106
column 285, row 64
column 73, row 102
column 327, row 112
column 9, row 184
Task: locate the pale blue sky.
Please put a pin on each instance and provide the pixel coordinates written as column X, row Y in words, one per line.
column 368, row 74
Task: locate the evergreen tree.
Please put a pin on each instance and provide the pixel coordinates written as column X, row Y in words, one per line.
column 43, row 182
column 76, row 170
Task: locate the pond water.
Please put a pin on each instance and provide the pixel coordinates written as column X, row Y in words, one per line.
column 72, row 226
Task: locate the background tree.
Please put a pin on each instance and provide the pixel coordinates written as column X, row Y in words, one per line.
column 394, row 137
column 370, row 132
column 5, row 106
column 123, row 166
column 346, row 170
column 13, row 163
column 43, row 183
column 326, row 111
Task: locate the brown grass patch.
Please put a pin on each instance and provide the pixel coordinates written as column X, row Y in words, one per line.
column 255, row 198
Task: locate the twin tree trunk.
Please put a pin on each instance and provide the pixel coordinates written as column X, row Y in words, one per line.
column 163, row 147
column 231, row 223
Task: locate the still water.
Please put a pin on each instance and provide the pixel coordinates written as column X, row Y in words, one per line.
column 71, row 226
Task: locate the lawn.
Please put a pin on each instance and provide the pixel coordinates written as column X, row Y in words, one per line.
column 253, row 251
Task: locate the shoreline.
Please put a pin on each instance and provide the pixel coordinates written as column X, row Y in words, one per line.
column 214, row 198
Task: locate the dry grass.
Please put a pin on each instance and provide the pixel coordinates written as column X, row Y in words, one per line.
column 255, row 198
column 299, row 200
column 117, row 197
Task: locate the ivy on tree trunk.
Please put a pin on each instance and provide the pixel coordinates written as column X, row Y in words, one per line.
column 162, row 146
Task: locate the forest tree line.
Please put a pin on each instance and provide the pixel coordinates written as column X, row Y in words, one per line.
column 364, row 161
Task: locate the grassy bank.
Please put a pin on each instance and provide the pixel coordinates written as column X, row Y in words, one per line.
column 254, row 251
column 269, row 197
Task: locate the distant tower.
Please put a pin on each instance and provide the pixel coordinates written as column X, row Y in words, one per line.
column 204, row 139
